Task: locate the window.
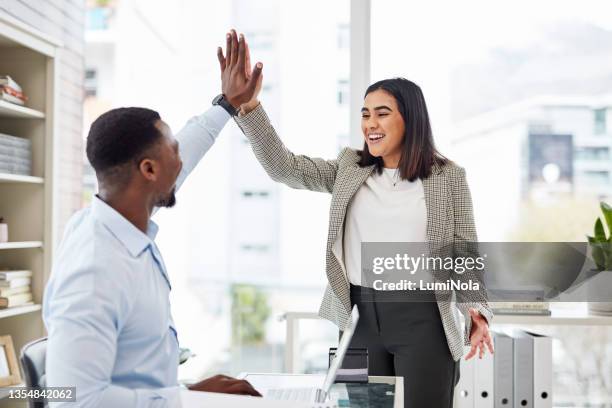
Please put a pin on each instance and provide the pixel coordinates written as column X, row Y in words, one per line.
column 255, row 194
column 343, row 92
column 260, row 248
column 91, row 82
column 595, row 178
column 600, row 121
column 344, row 36
column 231, row 219
column 260, row 40
column 488, row 87
column 592, row 153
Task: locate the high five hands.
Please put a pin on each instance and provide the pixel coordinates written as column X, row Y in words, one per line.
column 239, row 84
column 479, row 335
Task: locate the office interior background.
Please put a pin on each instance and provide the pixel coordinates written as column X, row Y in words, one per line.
column 501, row 79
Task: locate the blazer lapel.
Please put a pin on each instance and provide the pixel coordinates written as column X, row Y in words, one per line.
column 436, row 196
column 354, row 178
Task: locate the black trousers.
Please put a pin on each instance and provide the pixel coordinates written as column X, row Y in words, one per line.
column 406, row 338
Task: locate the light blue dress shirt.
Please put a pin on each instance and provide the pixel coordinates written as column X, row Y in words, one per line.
column 106, row 306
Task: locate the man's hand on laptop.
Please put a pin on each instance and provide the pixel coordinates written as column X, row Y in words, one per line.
column 225, row 385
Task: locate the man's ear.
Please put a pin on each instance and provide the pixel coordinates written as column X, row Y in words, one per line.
column 149, row 169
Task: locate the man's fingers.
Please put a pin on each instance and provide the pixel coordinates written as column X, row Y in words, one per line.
column 247, row 65
column 481, row 346
column 234, row 48
column 252, row 391
column 228, row 48
column 241, row 54
column 244, row 388
column 221, row 58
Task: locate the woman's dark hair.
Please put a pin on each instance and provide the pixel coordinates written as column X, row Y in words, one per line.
column 419, row 153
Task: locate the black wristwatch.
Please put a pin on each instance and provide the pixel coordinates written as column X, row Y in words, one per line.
column 221, row 101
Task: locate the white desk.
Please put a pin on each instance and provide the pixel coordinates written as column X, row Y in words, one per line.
column 263, row 382
column 561, row 316
column 196, row 399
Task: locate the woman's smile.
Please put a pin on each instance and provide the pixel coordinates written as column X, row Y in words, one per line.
column 374, row 138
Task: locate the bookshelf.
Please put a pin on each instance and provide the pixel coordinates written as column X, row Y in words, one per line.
column 16, row 178
column 9, row 110
column 26, row 202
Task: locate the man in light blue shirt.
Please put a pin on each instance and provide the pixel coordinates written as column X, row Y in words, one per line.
column 106, row 306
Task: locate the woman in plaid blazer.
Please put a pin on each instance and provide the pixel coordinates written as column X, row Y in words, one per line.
column 421, row 341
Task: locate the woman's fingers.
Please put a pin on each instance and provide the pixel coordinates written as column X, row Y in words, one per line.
column 254, row 80
column 472, row 351
column 247, row 68
column 489, row 342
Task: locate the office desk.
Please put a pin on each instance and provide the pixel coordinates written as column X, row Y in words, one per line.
column 380, row 392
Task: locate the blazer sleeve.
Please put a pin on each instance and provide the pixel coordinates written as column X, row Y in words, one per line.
column 296, row 171
column 466, row 245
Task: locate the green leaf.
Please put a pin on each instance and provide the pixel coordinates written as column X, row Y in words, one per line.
column 607, row 250
column 607, row 212
column 597, row 252
column 600, row 234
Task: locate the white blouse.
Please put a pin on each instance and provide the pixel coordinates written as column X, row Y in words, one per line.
column 384, row 209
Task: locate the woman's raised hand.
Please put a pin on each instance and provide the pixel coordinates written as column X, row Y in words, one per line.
column 238, row 83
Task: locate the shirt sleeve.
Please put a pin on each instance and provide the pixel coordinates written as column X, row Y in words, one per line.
column 83, row 316
column 197, row 136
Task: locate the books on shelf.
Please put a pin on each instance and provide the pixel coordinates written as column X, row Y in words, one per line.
column 12, row 275
column 14, row 283
column 15, row 300
column 5, row 292
column 15, row 288
column 11, row 91
column 6, row 80
column 15, row 155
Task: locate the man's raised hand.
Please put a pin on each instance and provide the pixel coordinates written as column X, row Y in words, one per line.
column 238, row 83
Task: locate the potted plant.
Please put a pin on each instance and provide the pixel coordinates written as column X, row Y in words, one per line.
column 601, row 251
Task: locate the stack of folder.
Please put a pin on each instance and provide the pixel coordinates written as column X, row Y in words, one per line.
column 519, row 374
column 15, row 155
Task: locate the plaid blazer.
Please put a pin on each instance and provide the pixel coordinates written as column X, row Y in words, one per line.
column 449, row 219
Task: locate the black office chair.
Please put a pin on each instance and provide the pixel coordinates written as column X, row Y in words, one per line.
column 33, row 357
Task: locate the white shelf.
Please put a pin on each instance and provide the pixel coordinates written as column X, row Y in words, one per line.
column 10, row 110
column 17, row 178
column 557, row 318
column 21, row 245
column 4, row 392
column 19, row 310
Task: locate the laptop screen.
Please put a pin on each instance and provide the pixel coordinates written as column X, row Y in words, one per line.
column 345, row 341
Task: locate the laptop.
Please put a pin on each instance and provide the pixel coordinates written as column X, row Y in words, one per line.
column 318, row 395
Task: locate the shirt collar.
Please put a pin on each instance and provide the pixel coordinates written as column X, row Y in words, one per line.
column 131, row 237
